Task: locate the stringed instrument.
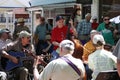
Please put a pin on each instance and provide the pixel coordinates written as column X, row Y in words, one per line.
column 34, row 56
column 21, row 56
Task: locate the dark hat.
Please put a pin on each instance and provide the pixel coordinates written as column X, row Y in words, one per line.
column 59, row 18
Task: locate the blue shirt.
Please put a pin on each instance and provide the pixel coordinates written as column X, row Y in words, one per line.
column 41, row 30
column 84, row 27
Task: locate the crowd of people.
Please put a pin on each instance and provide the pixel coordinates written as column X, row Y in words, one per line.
column 99, row 49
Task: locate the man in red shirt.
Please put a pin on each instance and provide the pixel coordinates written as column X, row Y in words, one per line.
column 59, row 33
column 94, row 23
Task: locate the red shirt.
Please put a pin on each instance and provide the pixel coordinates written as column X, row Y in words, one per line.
column 59, row 34
column 94, row 25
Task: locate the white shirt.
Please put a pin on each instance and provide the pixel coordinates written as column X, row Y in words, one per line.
column 3, row 43
column 60, row 70
column 101, row 60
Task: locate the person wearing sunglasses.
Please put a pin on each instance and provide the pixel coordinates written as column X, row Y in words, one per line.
column 107, row 29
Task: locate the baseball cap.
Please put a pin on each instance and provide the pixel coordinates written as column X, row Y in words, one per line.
column 67, row 44
column 59, row 18
column 93, row 31
column 94, row 17
column 24, row 34
column 97, row 38
column 4, row 31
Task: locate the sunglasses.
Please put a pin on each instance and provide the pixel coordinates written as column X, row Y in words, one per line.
column 106, row 19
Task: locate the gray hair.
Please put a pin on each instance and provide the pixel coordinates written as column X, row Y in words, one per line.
column 67, row 44
column 88, row 14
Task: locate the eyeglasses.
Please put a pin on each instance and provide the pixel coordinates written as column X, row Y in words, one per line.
column 28, row 37
column 106, row 19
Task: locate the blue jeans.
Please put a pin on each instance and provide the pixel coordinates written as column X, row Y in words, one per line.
column 55, row 55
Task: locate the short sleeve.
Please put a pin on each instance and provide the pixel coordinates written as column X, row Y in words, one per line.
column 116, row 51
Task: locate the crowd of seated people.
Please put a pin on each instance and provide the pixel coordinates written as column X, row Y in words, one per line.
column 46, row 44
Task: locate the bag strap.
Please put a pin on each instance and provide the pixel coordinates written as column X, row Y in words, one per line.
column 72, row 65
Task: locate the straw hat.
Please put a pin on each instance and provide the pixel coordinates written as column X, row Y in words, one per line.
column 20, row 20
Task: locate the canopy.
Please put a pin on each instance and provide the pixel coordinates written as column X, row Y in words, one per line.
column 14, row 3
column 115, row 19
column 46, row 2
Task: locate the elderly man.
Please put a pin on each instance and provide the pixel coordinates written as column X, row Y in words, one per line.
column 59, row 69
column 84, row 28
column 88, row 49
column 23, row 42
column 100, row 60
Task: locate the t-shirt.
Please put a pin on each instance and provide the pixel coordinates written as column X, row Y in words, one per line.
column 59, row 34
column 107, row 34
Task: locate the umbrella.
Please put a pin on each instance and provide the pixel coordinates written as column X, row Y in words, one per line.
column 115, row 19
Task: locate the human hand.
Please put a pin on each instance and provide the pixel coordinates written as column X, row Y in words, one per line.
column 37, row 61
column 71, row 21
column 14, row 60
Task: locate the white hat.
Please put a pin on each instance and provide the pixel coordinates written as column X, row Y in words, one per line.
column 67, row 44
column 94, row 17
column 24, row 34
column 97, row 38
column 93, row 31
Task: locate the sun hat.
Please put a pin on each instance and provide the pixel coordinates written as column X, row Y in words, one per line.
column 24, row 34
column 20, row 20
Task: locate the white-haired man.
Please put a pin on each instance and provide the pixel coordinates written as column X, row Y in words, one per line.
column 59, row 69
column 100, row 60
column 84, row 28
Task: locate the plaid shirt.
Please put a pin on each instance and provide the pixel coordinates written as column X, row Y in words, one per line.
column 84, row 27
column 101, row 60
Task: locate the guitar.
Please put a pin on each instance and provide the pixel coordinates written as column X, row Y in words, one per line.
column 20, row 55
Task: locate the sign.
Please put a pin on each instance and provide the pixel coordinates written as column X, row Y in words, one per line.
column 25, row 16
column 84, row 1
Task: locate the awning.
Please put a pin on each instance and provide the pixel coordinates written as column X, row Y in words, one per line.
column 14, row 3
column 46, row 2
